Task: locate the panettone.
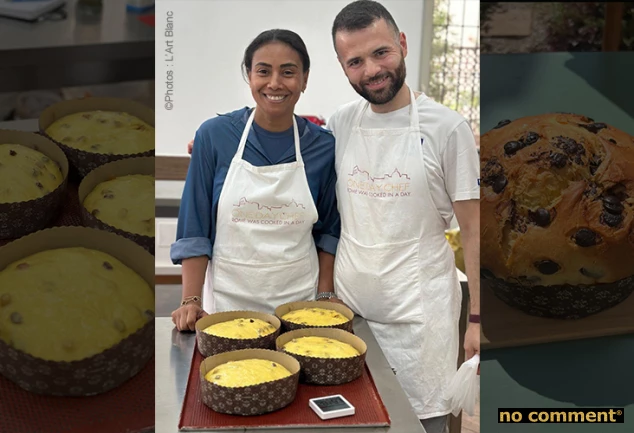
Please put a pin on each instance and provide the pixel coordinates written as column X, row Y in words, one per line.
column 556, row 214
column 246, row 372
column 125, row 203
column 26, row 174
column 320, row 347
column 315, row 317
column 103, row 132
column 242, row 328
column 69, row 304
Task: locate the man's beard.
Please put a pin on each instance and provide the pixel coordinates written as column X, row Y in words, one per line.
column 385, row 95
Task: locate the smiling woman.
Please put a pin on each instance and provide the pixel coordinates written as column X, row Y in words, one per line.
column 260, row 209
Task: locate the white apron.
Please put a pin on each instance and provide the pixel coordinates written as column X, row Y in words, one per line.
column 394, row 266
column 264, row 254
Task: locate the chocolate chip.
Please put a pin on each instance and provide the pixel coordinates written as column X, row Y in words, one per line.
column 486, row 274
column 12, row 153
column 547, row 267
column 591, row 273
column 502, row 123
column 512, row 147
column 499, row 184
column 541, row 217
column 5, row 300
column 569, row 145
column 558, row 160
column 149, row 314
column 16, row 318
column 39, row 185
column 612, row 140
column 274, row 364
column 102, row 120
column 585, row 237
column 108, row 195
column 95, row 146
column 119, row 325
column 217, row 377
column 87, row 116
column 107, row 265
column 594, row 162
column 612, row 204
column 36, row 173
column 23, row 266
column 610, row 219
column 531, row 138
column 594, row 127
column 251, row 320
column 95, row 212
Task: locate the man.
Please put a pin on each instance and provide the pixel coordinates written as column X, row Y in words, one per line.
column 405, row 166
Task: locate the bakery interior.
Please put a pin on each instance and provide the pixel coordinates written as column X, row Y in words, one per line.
column 540, row 58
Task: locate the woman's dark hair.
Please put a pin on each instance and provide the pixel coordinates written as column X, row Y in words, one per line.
column 287, row 37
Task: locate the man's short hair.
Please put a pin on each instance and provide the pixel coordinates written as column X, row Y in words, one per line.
column 361, row 14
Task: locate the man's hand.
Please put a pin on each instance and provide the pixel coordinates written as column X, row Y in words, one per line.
column 186, row 316
column 190, row 146
column 472, row 341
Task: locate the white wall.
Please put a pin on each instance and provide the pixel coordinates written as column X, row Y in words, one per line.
column 210, row 37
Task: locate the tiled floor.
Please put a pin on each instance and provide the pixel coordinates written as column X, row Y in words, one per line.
column 168, row 296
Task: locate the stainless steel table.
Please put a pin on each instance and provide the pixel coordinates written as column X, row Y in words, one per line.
column 82, row 49
column 174, row 352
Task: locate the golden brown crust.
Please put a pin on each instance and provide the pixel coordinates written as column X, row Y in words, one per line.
column 556, row 203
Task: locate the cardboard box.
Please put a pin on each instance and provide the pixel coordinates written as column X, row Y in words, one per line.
column 19, row 219
column 110, row 171
column 84, row 162
column 292, row 306
column 99, row 373
column 210, row 345
column 327, row 371
column 250, row 400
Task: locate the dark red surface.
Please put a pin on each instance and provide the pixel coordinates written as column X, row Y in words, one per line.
column 361, row 393
column 127, row 409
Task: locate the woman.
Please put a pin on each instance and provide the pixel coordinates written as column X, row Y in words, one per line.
column 259, row 201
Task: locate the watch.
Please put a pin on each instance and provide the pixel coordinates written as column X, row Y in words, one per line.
column 325, row 295
column 474, row 318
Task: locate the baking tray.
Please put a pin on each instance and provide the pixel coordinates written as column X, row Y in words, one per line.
column 127, row 409
column 361, row 393
column 504, row 326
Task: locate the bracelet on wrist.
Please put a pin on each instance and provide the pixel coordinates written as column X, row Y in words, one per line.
column 325, row 295
column 191, row 300
column 474, row 318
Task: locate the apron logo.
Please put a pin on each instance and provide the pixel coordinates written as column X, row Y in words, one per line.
column 250, row 212
column 394, row 184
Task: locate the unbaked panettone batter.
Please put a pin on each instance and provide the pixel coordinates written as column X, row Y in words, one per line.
column 320, row 347
column 71, row 303
column 26, row 174
column 315, row 317
column 246, row 372
column 104, row 132
column 126, row 203
column 241, row 328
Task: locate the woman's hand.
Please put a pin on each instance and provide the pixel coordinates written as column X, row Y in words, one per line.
column 190, row 147
column 186, row 316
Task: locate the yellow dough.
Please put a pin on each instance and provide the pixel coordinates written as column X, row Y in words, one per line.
column 71, row 303
column 26, row 174
column 454, row 239
column 105, row 132
column 241, row 328
column 246, row 372
column 126, row 203
column 320, row 347
column 315, row 317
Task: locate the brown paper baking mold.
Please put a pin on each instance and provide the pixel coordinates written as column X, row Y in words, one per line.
column 210, row 345
column 562, row 301
column 292, row 306
column 250, row 400
column 128, row 166
column 99, row 373
column 327, row 371
column 84, row 162
column 19, row 219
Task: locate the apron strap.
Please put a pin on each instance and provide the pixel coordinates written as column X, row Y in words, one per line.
column 245, row 135
column 413, row 112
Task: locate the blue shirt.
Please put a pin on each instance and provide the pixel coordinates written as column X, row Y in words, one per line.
column 215, row 145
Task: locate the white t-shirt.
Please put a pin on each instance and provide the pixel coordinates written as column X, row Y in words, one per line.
column 450, row 155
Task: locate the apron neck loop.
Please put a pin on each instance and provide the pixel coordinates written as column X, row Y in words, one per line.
column 413, row 112
column 247, row 129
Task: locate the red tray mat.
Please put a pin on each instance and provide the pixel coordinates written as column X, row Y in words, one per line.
column 361, row 393
column 70, row 213
column 127, row 409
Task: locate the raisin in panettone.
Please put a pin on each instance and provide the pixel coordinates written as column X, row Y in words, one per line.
column 557, row 238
